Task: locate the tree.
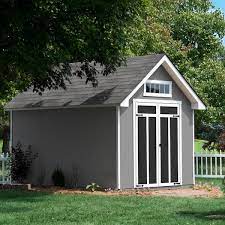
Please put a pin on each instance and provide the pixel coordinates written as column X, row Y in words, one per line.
column 190, row 33
column 40, row 38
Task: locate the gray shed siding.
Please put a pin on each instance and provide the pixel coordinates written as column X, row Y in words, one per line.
column 80, row 141
column 126, row 123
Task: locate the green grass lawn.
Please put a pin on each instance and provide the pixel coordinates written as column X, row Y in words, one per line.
column 198, row 145
column 39, row 208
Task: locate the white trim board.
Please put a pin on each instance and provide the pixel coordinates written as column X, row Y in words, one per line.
column 193, row 145
column 196, row 102
column 60, row 107
column 118, row 146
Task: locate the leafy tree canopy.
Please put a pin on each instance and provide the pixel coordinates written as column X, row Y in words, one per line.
column 39, row 38
column 190, row 33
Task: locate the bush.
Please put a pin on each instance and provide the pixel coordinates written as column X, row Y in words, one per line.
column 21, row 161
column 58, row 178
column 93, row 187
column 212, row 133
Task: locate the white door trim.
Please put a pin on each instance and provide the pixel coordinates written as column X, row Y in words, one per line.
column 118, row 146
column 135, row 136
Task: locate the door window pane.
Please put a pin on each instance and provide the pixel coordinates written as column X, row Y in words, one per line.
column 142, row 163
column 174, row 149
column 168, row 110
column 164, row 150
column 147, row 109
column 152, row 150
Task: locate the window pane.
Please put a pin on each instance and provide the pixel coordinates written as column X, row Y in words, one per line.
column 167, row 89
column 147, row 109
column 168, row 110
column 148, row 87
column 161, row 88
column 152, row 88
column 156, row 88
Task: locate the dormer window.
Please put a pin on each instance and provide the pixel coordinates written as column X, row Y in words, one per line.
column 158, row 88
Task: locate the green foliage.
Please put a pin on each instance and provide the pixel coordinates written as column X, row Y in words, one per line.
column 190, row 33
column 58, row 177
column 93, row 187
column 21, row 162
column 40, row 38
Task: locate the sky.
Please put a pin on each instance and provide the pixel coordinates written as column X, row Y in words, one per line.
column 221, row 5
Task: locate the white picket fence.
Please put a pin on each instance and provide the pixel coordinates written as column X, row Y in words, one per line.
column 210, row 165
column 5, row 169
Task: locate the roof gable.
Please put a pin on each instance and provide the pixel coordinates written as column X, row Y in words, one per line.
column 196, row 102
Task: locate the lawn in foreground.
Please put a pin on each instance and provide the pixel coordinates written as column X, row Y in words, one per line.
column 39, row 208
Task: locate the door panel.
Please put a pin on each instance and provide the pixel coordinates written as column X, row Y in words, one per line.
column 164, row 150
column 142, row 157
column 152, row 150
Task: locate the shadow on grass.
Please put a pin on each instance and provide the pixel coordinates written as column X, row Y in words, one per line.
column 22, row 196
column 211, row 215
column 12, row 209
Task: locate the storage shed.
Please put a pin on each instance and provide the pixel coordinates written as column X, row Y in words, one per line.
column 136, row 129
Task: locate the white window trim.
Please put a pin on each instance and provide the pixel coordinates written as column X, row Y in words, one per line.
column 158, row 94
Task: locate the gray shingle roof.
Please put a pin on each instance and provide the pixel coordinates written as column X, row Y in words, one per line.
column 111, row 90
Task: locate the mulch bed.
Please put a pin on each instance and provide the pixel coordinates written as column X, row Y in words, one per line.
column 196, row 191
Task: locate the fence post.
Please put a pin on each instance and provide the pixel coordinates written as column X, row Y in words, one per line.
column 196, row 161
column 201, row 164
column 211, row 166
column 216, row 165
column 206, row 163
column 3, row 171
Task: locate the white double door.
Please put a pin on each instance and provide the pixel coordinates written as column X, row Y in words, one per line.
column 158, row 149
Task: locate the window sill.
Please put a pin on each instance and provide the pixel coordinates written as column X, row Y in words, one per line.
column 157, row 95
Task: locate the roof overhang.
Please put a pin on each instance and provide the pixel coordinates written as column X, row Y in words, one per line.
column 188, row 91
